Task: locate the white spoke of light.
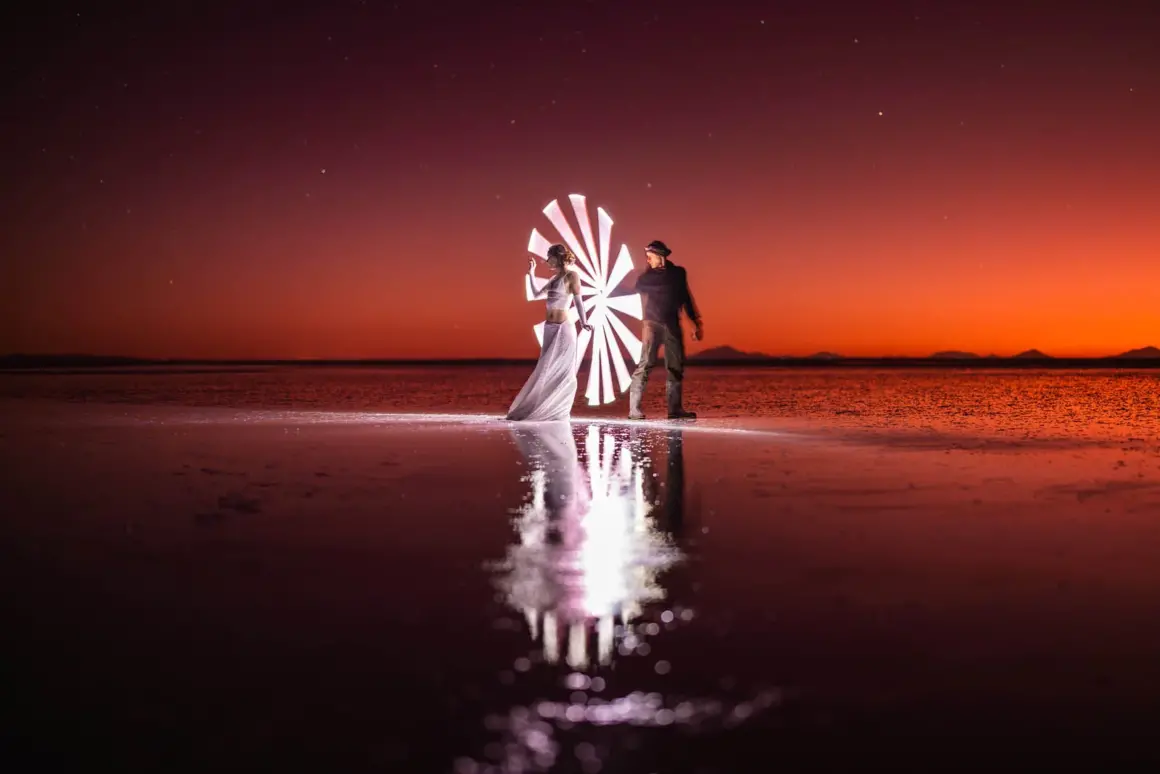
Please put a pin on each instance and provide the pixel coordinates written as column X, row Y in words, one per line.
column 622, row 376
column 601, row 455
column 591, row 451
column 593, row 391
column 539, row 487
column 622, row 268
column 581, row 346
column 626, row 463
column 556, row 215
column 611, row 451
column 537, row 245
column 605, row 369
column 594, row 361
column 631, row 342
column 629, row 305
column 551, row 639
column 580, row 207
column 592, row 448
column 604, row 639
column 599, row 364
column 605, row 225
column 577, row 646
column 539, row 329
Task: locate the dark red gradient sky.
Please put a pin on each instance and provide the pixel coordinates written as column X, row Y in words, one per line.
column 359, row 178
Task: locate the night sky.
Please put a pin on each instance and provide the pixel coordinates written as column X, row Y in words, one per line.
column 354, row 179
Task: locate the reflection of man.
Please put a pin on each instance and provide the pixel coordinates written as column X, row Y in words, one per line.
column 664, row 289
column 671, row 512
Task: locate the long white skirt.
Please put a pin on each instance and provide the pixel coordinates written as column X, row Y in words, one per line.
column 549, row 392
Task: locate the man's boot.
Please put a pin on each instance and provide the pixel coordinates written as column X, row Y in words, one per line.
column 673, row 391
column 635, row 398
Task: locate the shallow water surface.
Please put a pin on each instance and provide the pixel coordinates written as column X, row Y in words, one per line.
column 1121, row 404
column 207, row 587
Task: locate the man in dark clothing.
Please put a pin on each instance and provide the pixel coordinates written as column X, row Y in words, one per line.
column 664, row 289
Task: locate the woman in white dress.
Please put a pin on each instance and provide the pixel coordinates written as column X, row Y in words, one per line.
column 549, row 392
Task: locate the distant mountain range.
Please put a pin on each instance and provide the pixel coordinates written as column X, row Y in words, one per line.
column 1143, row 353
column 727, row 353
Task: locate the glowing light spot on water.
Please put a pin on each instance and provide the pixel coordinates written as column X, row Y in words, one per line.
column 577, row 681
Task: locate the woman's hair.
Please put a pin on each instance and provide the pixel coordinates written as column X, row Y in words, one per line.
column 559, row 255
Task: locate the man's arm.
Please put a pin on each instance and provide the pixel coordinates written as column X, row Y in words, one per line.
column 689, row 305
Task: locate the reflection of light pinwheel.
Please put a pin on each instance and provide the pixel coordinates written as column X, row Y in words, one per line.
column 599, row 277
column 589, row 556
column 589, row 553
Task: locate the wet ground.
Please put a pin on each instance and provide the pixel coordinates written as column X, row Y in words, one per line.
column 197, row 589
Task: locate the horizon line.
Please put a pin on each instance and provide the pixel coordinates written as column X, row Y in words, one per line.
column 728, row 356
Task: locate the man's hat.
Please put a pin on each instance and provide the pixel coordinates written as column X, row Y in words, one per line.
column 658, row 247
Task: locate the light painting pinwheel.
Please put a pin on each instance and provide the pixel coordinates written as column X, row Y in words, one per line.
column 613, row 346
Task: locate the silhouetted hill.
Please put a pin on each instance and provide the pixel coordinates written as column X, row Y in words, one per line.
column 825, row 356
column 953, row 355
column 1143, row 353
column 1032, row 354
column 728, row 353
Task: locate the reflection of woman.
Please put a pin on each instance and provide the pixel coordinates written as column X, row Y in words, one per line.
column 550, row 391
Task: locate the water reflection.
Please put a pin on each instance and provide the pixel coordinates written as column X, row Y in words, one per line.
column 591, row 546
column 596, row 536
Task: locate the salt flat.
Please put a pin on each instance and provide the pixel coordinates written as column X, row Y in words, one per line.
column 197, row 588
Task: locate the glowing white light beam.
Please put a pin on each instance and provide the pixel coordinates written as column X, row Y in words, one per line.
column 599, row 278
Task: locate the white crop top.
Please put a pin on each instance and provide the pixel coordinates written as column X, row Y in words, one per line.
column 558, row 297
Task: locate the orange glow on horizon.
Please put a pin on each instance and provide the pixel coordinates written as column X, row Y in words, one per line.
column 933, row 187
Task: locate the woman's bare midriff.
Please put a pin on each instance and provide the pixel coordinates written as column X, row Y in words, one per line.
column 557, row 315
